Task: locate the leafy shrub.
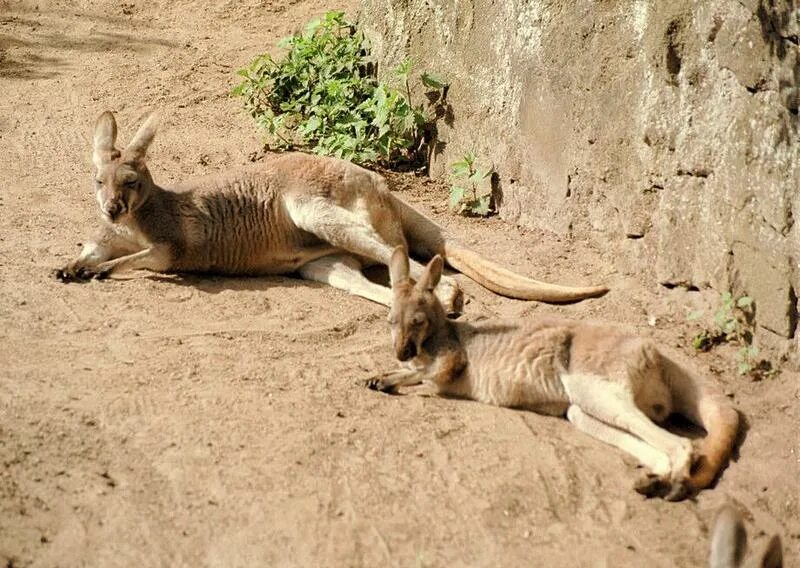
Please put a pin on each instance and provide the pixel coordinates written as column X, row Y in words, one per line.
column 733, row 323
column 323, row 95
column 466, row 197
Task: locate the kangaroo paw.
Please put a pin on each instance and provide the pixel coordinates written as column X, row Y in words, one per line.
column 652, row 485
column 61, row 274
column 378, row 384
column 678, row 492
column 101, row 274
column 73, row 273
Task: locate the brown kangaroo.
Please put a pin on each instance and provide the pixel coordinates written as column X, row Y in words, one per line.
column 610, row 384
column 322, row 217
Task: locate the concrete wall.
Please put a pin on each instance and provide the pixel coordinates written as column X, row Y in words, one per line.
column 666, row 130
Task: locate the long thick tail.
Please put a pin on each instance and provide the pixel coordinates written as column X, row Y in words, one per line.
column 710, row 409
column 426, row 238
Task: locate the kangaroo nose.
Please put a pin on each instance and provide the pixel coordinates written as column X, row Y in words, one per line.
column 114, row 209
column 408, row 351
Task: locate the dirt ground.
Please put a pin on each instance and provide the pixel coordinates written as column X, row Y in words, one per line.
column 156, row 420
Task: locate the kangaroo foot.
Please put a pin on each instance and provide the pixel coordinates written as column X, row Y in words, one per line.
column 379, row 384
column 652, row 485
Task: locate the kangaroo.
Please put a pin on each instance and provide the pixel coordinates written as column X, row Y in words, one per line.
column 729, row 544
column 610, row 384
column 322, row 217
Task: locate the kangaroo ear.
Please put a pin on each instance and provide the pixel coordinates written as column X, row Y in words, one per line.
column 433, row 273
column 398, row 266
column 772, row 556
column 144, row 136
column 105, row 134
column 729, row 539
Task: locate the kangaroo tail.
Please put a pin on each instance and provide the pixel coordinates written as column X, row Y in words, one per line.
column 711, row 410
column 427, row 239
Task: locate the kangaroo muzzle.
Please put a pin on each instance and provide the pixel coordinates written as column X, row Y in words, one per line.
column 113, row 209
column 406, row 351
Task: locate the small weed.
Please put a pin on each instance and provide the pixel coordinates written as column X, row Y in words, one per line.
column 468, row 196
column 323, row 95
column 733, row 323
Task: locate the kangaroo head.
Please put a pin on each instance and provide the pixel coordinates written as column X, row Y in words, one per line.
column 729, row 544
column 122, row 180
column 416, row 312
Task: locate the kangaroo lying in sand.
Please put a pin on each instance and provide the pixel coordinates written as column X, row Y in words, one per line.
column 322, row 217
column 610, row 384
column 729, row 543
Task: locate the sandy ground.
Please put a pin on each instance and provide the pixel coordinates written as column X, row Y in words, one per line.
column 155, row 420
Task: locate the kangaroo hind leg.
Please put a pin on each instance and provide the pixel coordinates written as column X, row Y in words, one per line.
column 612, row 402
column 654, row 460
column 344, row 272
column 355, row 232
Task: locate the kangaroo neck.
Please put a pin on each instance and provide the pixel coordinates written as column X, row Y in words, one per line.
column 444, row 339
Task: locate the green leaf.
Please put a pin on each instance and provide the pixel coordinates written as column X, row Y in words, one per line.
column 701, row 341
column 481, row 206
column 311, row 125
column 744, row 302
column 460, row 169
column 312, row 27
column 456, row 196
column 695, row 315
column 433, row 81
column 403, row 70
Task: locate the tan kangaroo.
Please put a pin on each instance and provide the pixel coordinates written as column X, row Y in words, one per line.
column 729, row 544
column 322, row 217
column 610, row 384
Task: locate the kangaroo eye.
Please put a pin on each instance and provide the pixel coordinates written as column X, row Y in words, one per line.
column 418, row 319
column 98, row 181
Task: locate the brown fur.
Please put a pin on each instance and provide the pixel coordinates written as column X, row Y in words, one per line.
column 320, row 216
column 608, row 382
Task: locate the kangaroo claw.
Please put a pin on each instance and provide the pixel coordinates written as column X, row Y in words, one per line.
column 377, row 384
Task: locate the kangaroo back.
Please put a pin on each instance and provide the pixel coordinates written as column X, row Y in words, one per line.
column 708, row 408
column 427, row 239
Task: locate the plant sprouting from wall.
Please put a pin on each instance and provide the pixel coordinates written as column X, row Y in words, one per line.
column 733, row 323
column 471, row 192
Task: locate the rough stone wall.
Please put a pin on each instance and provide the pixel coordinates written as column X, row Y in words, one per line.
column 667, row 130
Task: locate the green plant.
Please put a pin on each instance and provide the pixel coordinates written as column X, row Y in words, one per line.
column 733, row 323
column 747, row 359
column 469, row 195
column 323, row 95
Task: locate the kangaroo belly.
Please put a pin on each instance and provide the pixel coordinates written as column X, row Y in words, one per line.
column 520, row 371
column 240, row 231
